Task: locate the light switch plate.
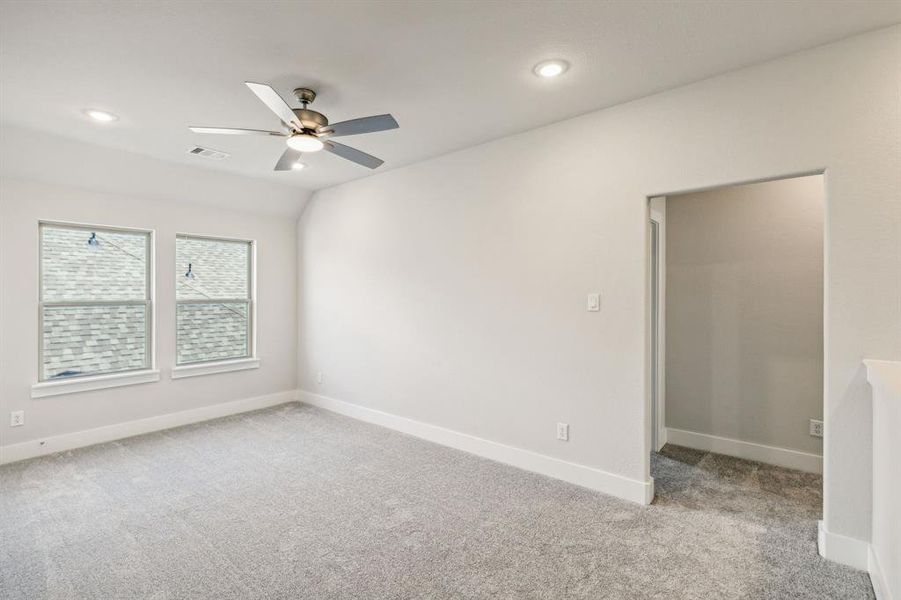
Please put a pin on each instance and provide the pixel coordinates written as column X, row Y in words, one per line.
column 594, row 302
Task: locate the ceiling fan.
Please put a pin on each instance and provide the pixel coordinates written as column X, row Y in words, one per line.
column 306, row 130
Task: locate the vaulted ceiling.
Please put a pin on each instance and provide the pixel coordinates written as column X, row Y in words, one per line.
column 453, row 73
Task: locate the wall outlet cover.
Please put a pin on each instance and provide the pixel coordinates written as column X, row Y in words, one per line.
column 17, row 418
column 816, row 428
column 594, row 302
column 563, row 432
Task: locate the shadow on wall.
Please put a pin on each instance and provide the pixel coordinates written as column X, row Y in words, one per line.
column 744, row 312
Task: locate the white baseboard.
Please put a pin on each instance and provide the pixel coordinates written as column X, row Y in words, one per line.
column 78, row 439
column 880, row 586
column 641, row 492
column 842, row 549
column 781, row 457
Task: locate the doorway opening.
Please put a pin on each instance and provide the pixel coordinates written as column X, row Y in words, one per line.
column 736, row 285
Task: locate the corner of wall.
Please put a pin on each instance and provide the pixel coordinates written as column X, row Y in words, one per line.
column 842, row 549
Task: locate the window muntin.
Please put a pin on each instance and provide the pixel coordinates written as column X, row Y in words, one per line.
column 214, row 313
column 95, row 301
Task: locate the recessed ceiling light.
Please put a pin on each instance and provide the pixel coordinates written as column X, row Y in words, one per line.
column 298, row 166
column 303, row 142
column 101, row 115
column 551, row 68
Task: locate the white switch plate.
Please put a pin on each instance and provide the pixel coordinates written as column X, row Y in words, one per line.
column 563, row 432
column 319, row 377
column 594, row 302
column 17, row 418
column 816, row 428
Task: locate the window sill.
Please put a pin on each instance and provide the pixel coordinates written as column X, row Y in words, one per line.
column 94, row 382
column 211, row 368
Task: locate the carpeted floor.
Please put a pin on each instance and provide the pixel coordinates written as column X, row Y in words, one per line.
column 295, row 502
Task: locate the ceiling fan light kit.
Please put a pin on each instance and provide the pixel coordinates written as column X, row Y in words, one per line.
column 305, row 143
column 307, row 130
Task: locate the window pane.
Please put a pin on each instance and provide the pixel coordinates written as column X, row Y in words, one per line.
column 113, row 268
column 81, row 340
column 220, row 269
column 212, row 332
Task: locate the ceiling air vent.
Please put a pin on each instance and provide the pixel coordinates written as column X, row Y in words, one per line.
column 208, row 153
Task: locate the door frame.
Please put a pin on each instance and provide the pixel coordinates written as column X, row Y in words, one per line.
column 657, row 318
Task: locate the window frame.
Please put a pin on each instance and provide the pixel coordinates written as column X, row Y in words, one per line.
column 87, row 381
column 221, row 365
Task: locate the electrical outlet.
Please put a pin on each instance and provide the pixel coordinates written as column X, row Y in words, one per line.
column 816, row 428
column 319, row 377
column 594, row 303
column 17, row 418
column 563, row 432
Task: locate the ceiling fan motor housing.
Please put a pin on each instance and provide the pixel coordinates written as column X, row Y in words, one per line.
column 310, row 119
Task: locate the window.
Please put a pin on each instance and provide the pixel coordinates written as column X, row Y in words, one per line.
column 95, row 301
column 214, row 296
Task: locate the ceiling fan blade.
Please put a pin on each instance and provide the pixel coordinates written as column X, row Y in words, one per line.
column 234, row 131
column 275, row 103
column 354, row 155
column 286, row 162
column 361, row 125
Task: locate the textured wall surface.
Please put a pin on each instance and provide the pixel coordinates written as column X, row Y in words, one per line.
column 885, row 379
column 453, row 291
column 744, row 309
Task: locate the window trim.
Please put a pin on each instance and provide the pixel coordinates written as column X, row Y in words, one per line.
column 86, row 383
column 52, row 387
column 195, row 369
column 218, row 365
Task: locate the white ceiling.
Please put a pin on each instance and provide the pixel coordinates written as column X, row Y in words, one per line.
column 453, row 73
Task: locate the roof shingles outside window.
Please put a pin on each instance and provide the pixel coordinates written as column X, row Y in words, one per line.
column 93, row 339
column 216, row 326
column 71, row 269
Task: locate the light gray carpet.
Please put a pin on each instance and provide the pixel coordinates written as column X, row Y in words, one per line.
column 295, row 502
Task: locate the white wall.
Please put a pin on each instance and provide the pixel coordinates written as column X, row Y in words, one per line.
column 453, row 291
column 885, row 550
column 23, row 203
column 744, row 296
